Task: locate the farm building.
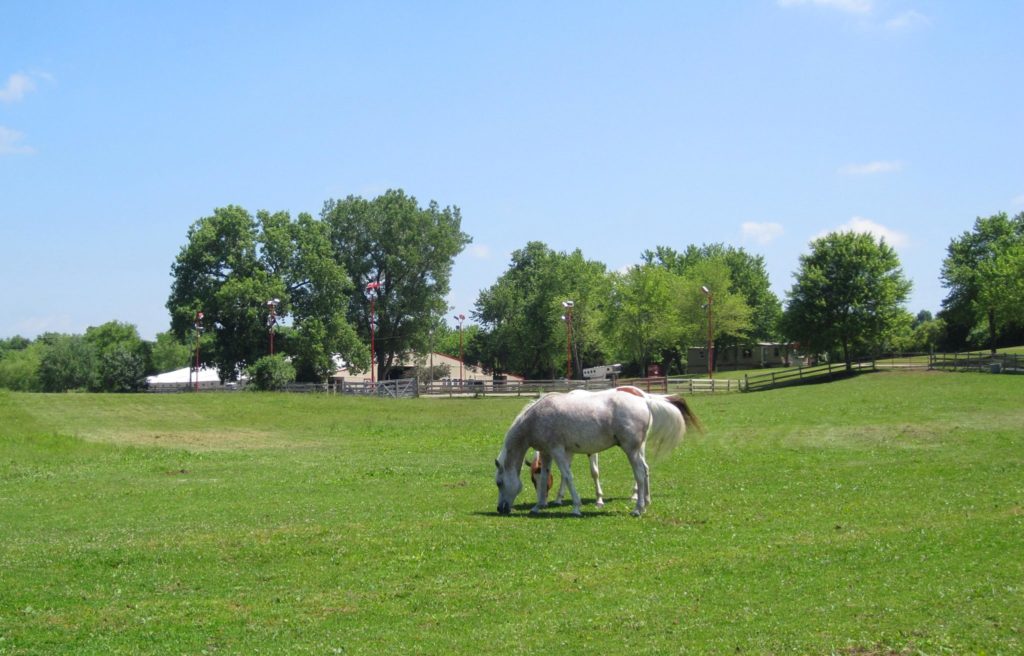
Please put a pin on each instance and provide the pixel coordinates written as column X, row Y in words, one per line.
column 748, row 356
column 411, row 362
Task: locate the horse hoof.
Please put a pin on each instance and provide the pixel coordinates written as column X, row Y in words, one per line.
column 556, row 502
column 636, row 512
column 600, row 503
column 577, row 513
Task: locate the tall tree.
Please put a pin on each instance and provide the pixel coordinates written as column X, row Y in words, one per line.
column 405, row 250
column 748, row 277
column 123, row 359
column 849, row 290
column 643, row 319
column 984, row 272
column 521, row 313
column 234, row 264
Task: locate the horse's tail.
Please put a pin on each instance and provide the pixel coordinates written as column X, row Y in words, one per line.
column 670, row 417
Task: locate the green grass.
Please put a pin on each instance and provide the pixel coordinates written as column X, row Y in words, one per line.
column 877, row 515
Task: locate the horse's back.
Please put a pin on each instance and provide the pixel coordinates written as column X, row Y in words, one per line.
column 587, row 423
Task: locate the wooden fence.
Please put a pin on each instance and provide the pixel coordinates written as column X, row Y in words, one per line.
column 799, row 375
column 980, row 361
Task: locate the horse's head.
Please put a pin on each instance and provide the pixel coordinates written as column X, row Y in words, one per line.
column 509, row 485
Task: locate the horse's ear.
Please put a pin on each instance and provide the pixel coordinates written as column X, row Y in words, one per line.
column 497, row 464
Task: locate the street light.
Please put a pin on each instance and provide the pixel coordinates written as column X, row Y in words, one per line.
column 272, row 306
column 460, row 318
column 372, row 289
column 567, row 318
column 711, row 340
column 199, row 330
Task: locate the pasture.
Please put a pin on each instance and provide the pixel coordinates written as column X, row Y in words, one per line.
column 877, row 515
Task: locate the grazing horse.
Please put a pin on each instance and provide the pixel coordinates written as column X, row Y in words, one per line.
column 559, row 425
column 595, row 470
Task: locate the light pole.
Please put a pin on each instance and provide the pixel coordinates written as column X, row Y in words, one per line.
column 567, row 318
column 460, row 318
column 272, row 306
column 711, row 340
column 199, row 331
column 372, row 289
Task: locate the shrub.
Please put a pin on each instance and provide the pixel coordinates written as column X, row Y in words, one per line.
column 271, row 373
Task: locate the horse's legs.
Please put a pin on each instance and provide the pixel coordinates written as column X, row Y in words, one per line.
column 564, row 461
column 641, row 472
column 561, row 487
column 595, row 473
column 542, row 482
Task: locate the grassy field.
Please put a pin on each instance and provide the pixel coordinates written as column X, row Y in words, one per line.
column 877, row 515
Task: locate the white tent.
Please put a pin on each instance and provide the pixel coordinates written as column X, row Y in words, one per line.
column 207, row 375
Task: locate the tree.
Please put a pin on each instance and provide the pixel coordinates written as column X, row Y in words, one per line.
column 19, row 366
column 408, row 252
column 748, row 277
column 984, row 272
column 123, row 359
column 169, row 353
column 234, row 264
column 271, row 373
column 643, row 318
column 849, row 290
column 68, row 362
column 521, row 314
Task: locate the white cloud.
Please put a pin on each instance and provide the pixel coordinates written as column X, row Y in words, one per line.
column 907, row 20
column 17, row 86
column 9, row 143
column 872, row 168
column 480, row 251
column 849, row 6
column 859, row 224
column 761, row 233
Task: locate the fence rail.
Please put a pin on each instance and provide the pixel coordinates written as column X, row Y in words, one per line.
column 800, row 375
column 1010, row 363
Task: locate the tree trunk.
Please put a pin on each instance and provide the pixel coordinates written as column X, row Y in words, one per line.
column 992, row 330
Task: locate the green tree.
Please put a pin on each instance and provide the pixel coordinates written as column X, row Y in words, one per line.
column 748, row 277
column 67, row 362
column 643, row 319
column 170, row 353
column 984, row 272
column 731, row 315
column 406, row 252
column 234, row 264
column 271, row 373
column 849, row 290
column 123, row 358
column 19, row 366
column 521, row 314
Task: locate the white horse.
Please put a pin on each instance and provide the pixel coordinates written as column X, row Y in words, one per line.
column 559, row 425
column 595, row 469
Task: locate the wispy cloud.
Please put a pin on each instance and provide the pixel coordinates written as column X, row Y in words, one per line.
column 480, row 251
column 849, row 6
column 761, row 233
column 859, row 224
column 10, row 143
column 18, row 84
column 908, row 20
column 872, row 168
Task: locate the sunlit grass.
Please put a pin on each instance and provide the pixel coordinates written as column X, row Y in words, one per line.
column 880, row 514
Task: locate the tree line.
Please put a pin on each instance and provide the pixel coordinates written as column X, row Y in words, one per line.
column 245, row 284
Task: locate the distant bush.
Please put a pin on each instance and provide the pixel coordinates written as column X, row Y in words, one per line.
column 271, row 373
column 19, row 369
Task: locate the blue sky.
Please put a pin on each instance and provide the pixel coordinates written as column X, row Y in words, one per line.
column 612, row 127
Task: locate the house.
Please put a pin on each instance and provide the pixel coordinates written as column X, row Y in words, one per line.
column 747, row 356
